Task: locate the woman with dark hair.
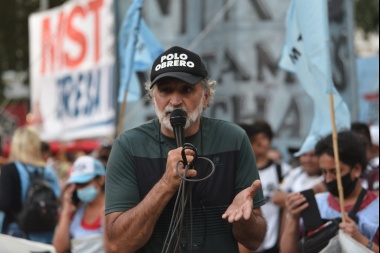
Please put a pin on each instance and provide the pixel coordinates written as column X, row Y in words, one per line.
column 82, row 217
column 352, row 156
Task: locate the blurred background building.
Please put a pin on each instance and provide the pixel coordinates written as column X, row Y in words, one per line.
column 241, row 42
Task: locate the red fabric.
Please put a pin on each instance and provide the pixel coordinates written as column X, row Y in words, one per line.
column 79, row 145
column 334, row 202
column 94, row 226
column 18, row 110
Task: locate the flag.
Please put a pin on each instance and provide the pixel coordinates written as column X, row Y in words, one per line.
column 138, row 48
column 368, row 81
column 307, row 53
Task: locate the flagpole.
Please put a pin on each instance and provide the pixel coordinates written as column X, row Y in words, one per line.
column 125, row 96
column 336, row 156
column 212, row 24
column 122, row 113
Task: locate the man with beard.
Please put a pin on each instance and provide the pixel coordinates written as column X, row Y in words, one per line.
column 352, row 155
column 143, row 174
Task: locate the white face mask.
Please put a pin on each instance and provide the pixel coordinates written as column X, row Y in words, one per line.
column 164, row 116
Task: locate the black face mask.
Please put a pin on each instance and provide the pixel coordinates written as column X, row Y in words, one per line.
column 347, row 183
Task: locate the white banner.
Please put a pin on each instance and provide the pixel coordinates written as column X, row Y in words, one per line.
column 72, row 63
column 9, row 244
column 342, row 243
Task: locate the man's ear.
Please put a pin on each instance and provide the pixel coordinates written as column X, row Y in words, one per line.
column 207, row 99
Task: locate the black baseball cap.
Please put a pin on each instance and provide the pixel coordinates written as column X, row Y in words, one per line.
column 178, row 63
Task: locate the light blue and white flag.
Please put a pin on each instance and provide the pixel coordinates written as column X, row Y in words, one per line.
column 307, row 53
column 138, row 48
column 368, row 88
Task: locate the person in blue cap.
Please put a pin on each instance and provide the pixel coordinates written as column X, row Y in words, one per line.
column 82, row 212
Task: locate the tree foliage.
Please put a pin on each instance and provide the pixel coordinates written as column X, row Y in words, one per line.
column 367, row 15
column 14, row 43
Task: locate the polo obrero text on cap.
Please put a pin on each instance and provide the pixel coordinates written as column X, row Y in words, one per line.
column 174, row 60
column 178, row 63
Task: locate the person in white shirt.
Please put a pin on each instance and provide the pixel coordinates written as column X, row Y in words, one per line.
column 271, row 173
column 307, row 176
column 369, row 135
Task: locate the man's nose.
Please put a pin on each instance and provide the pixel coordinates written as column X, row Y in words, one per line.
column 176, row 99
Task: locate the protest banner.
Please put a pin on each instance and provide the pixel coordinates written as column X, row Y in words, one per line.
column 72, row 63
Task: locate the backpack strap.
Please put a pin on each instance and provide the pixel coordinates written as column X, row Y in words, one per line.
column 352, row 213
column 279, row 172
column 36, row 172
column 27, row 171
column 26, row 177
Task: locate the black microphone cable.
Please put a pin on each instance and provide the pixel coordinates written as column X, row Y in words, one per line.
column 183, row 200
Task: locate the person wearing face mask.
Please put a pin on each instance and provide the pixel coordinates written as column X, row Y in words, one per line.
column 271, row 173
column 352, row 155
column 81, row 221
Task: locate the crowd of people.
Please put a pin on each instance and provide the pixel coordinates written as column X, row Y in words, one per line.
column 77, row 180
column 240, row 196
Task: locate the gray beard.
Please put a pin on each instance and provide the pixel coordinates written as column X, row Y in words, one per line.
column 164, row 116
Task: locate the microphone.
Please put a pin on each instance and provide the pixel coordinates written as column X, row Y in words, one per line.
column 178, row 119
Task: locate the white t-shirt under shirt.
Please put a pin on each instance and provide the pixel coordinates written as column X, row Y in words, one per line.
column 270, row 182
column 298, row 180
